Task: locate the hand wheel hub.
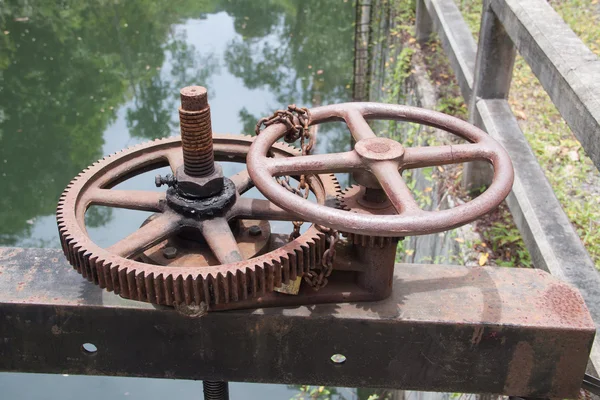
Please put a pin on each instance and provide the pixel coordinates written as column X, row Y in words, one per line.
column 379, row 149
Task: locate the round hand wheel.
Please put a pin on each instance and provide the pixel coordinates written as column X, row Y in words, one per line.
column 385, row 159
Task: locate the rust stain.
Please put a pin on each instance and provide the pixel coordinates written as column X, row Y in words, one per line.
column 564, row 303
column 519, row 369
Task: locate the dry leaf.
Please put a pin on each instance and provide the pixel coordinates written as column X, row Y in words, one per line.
column 428, row 189
column 483, row 257
column 520, row 115
column 460, row 240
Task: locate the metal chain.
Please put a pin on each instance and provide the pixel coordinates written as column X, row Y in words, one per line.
column 297, row 121
column 317, row 278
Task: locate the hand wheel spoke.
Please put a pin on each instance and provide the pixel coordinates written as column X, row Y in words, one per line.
column 359, row 127
column 314, row 164
column 221, row 241
column 155, row 231
column 242, row 181
column 430, row 156
column 260, row 209
column 130, row 199
column 395, row 188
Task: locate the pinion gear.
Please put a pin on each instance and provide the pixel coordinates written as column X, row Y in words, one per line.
column 351, row 200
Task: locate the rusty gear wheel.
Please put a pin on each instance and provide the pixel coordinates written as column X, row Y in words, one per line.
column 234, row 281
column 352, row 200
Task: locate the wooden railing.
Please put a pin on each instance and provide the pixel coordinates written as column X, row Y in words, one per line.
column 570, row 74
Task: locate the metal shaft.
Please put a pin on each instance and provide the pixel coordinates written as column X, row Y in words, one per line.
column 196, row 132
column 215, row 390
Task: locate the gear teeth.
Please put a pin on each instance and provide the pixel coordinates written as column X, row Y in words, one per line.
column 357, row 239
column 368, row 241
column 170, row 289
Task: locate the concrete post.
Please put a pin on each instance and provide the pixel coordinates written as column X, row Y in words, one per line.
column 493, row 74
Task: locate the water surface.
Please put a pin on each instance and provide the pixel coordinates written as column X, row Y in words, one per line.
column 80, row 80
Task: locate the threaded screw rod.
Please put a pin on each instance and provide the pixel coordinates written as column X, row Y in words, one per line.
column 196, row 132
column 215, row 390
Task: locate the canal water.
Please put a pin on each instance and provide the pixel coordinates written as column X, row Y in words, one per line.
column 80, row 80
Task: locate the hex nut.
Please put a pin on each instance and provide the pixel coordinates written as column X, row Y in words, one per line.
column 199, row 186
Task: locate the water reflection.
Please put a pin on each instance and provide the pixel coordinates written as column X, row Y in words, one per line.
column 79, row 80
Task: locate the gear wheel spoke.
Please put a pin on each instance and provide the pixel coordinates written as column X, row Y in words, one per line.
column 260, row 209
column 242, row 181
column 130, row 199
column 221, row 241
column 155, row 231
column 175, row 159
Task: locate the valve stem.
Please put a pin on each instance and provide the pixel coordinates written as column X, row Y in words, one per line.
column 196, row 132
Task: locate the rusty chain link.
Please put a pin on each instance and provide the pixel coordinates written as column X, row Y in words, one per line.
column 297, row 121
column 317, row 278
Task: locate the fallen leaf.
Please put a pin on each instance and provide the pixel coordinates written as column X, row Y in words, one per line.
column 409, row 252
column 520, row 115
column 460, row 240
column 428, row 189
column 440, row 168
column 483, row 257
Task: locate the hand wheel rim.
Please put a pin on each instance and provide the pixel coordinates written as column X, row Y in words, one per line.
column 409, row 223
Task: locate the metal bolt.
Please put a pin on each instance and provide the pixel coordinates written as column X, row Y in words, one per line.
column 338, row 358
column 196, row 132
column 215, row 390
column 168, row 180
column 254, row 230
column 170, row 252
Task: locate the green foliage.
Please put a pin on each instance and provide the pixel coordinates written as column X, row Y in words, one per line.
column 453, row 105
column 506, row 243
column 306, row 392
column 65, row 68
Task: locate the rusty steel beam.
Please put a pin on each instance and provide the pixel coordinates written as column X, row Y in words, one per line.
column 444, row 328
